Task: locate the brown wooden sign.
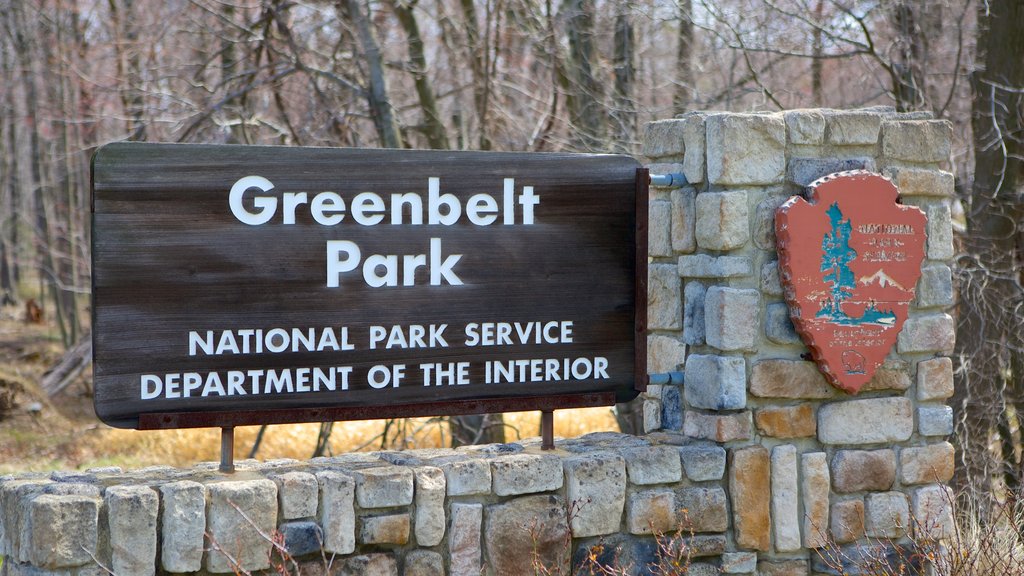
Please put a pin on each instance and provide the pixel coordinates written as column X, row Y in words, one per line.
column 239, row 285
column 849, row 262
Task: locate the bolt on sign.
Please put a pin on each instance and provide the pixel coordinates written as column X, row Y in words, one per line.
column 849, row 258
column 238, row 285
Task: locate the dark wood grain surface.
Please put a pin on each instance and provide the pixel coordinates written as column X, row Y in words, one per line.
column 169, row 257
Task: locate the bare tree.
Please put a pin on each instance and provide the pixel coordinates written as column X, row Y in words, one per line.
column 990, row 338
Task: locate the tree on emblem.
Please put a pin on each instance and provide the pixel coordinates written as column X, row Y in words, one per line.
column 835, row 260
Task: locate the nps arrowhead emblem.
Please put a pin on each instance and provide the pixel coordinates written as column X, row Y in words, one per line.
column 849, row 260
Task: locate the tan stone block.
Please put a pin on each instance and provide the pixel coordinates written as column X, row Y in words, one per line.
column 783, row 568
column 927, row 464
column 786, row 421
column 935, row 379
column 391, row 529
column 718, row 427
column 789, row 379
column 859, row 470
column 815, row 484
column 651, row 511
column 888, row 379
column 847, row 521
column 750, row 488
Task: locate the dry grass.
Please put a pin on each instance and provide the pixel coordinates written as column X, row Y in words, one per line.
column 186, row 447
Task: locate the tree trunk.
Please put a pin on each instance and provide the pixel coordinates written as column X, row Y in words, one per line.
column 818, row 53
column 377, row 96
column 586, row 107
column 685, row 82
column 433, row 128
column 478, row 65
column 991, row 328
column 623, row 114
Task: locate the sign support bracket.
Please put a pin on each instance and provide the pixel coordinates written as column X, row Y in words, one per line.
column 547, row 430
column 227, row 449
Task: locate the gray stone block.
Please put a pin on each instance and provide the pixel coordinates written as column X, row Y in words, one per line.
column 935, row 288
column 935, row 420
column 693, row 313
column 297, row 494
column 378, row 564
column 758, row 139
column 430, row 493
column 182, row 525
column 652, row 464
column 596, row 488
column 722, row 221
column 664, row 138
column 886, row 515
column 702, row 509
column 525, row 474
column 532, row 523
column 664, row 298
column 814, row 485
column 238, row 513
column 739, row 562
column 132, row 513
column 464, row 537
column 706, row 266
column 62, row 531
column 933, row 512
column 804, row 127
column 301, row 538
column 932, row 333
column 785, row 498
column 659, row 228
column 921, row 182
column 384, row 487
column 664, row 353
column 467, row 477
column 803, row 171
column 854, row 128
column 778, row 326
column 764, row 221
column 716, row 382
column 940, row 232
column 684, row 220
column 917, row 140
column 671, row 409
column 337, row 511
column 703, row 462
column 867, row 421
column 770, row 283
column 694, row 137
column 731, row 318
column 423, row 563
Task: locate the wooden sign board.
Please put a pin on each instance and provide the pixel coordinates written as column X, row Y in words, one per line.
column 239, row 285
column 849, row 261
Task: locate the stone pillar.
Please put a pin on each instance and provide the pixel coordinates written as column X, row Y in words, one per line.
column 838, row 463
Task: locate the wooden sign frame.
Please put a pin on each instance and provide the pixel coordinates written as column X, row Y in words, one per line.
column 201, row 251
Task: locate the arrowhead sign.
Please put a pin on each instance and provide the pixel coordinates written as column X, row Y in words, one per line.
column 849, row 260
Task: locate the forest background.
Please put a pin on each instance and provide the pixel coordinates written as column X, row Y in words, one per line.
column 534, row 75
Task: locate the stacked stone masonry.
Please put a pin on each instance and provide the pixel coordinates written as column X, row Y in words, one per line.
column 811, row 468
column 748, row 454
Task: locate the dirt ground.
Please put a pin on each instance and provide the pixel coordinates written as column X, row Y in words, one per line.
column 38, row 433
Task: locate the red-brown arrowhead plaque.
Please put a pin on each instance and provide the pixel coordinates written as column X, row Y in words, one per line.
column 849, row 261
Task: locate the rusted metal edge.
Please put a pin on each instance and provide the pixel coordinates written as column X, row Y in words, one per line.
column 643, row 178
column 225, row 419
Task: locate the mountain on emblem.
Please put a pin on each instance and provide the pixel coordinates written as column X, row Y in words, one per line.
column 849, row 260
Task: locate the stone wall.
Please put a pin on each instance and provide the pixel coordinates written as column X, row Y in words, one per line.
column 756, row 458
column 810, row 467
